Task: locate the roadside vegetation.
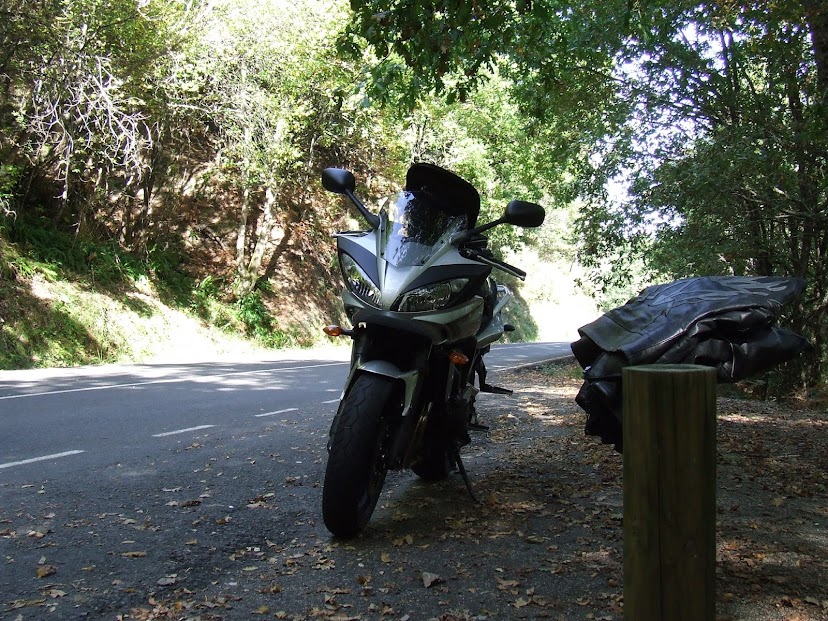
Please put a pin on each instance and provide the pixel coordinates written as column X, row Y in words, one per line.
column 173, row 149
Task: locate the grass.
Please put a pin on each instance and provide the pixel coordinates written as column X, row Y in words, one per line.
column 68, row 302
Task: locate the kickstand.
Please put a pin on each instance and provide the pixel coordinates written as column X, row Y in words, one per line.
column 457, row 460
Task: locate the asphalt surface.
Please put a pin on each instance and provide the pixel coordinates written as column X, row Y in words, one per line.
column 119, row 483
column 75, row 419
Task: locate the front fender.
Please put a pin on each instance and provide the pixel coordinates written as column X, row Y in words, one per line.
column 386, row 369
column 410, row 380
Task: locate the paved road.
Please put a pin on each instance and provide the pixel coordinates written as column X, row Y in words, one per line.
column 82, row 418
column 122, row 485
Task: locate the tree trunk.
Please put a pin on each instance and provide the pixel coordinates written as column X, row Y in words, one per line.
column 816, row 13
column 248, row 272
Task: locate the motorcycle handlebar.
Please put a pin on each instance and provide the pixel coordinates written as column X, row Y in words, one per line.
column 486, row 257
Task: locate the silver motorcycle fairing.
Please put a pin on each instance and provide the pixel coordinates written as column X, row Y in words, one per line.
column 444, row 263
column 493, row 331
column 440, row 326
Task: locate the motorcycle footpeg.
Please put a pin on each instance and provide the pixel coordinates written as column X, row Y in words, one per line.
column 507, row 327
column 496, row 390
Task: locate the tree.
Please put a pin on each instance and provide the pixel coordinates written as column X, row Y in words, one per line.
column 264, row 76
column 735, row 102
column 75, row 103
column 716, row 113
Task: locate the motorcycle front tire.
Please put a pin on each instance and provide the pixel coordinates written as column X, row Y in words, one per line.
column 357, row 458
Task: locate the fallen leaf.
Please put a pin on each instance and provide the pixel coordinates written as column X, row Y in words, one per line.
column 25, row 603
column 134, row 554
column 408, row 539
column 505, row 585
column 46, row 570
column 167, row 581
column 430, row 579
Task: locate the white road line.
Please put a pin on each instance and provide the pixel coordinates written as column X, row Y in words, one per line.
column 276, row 412
column 331, row 401
column 188, row 378
column 177, row 431
column 35, row 459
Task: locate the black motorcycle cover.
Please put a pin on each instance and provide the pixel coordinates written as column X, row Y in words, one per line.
column 725, row 322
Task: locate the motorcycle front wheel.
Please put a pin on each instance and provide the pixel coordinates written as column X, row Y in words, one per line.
column 357, row 458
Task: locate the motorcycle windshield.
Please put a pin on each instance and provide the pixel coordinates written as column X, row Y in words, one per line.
column 415, row 227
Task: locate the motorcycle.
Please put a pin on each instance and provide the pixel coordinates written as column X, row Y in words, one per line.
column 424, row 311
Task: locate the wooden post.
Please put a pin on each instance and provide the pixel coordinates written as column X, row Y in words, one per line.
column 669, row 423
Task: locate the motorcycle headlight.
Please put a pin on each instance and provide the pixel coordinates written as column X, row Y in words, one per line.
column 431, row 297
column 358, row 282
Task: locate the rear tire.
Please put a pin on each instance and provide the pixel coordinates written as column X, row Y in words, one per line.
column 357, row 459
column 433, row 468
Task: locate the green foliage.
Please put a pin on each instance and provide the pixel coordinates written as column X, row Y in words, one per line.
column 517, row 313
column 279, row 107
column 559, row 54
column 57, row 341
column 715, row 116
column 206, row 290
column 258, row 323
column 562, row 370
column 77, row 81
column 48, row 250
column 489, row 142
column 124, row 123
column 9, row 179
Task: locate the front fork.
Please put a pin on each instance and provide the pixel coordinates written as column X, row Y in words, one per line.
column 433, row 385
column 367, row 357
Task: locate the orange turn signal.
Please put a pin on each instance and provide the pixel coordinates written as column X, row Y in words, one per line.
column 458, row 357
column 332, row 330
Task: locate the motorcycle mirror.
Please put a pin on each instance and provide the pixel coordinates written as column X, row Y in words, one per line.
column 338, row 180
column 341, row 181
column 524, row 213
column 517, row 213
